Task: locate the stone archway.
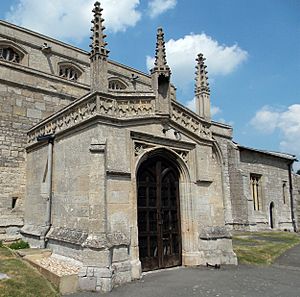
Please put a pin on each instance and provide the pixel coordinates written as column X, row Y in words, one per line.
column 158, row 207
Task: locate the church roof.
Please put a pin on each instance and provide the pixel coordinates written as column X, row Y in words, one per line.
column 271, row 153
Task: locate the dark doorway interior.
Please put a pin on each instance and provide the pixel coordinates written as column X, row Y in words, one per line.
column 272, row 221
column 158, row 214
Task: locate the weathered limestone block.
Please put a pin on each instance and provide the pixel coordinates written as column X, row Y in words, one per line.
column 215, row 244
column 204, row 162
column 122, row 272
column 218, row 232
column 92, row 278
column 120, row 254
column 97, row 258
column 87, row 283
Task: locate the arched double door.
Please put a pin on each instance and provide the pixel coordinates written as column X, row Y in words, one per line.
column 158, row 214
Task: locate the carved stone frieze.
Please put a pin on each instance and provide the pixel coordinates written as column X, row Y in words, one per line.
column 73, row 236
column 137, row 108
column 190, row 121
column 98, row 241
column 103, row 241
column 118, row 238
column 90, row 107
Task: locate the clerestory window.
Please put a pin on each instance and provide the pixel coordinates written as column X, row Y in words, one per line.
column 69, row 72
column 7, row 53
column 116, row 85
column 13, row 52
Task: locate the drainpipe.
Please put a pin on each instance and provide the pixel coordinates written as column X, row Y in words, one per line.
column 50, row 139
column 292, row 196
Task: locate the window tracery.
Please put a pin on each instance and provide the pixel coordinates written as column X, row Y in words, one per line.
column 116, row 85
column 69, row 72
column 256, row 191
column 7, row 53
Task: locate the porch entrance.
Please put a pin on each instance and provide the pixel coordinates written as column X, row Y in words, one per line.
column 158, row 214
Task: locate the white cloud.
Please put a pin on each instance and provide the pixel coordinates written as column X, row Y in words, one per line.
column 70, row 20
column 266, row 119
column 181, row 55
column 286, row 121
column 157, row 7
column 214, row 110
column 191, row 104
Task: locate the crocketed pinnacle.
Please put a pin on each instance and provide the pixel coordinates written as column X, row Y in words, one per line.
column 98, row 44
column 202, row 84
column 160, row 52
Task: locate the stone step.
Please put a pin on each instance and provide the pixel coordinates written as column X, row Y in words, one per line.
column 7, row 239
column 34, row 251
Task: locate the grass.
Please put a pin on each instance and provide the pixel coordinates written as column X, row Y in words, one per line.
column 262, row 247
column 24, row 280
column 19, row 245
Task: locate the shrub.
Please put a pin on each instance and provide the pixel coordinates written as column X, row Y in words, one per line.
column 19, row 245
column 1, row 243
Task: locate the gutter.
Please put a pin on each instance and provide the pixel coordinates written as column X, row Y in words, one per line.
column 50, row 139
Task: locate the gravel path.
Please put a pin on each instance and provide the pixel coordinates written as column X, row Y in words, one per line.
column 59, row 266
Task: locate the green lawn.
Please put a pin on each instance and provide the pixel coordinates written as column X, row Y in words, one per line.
column 262, row 247
column 24, row 281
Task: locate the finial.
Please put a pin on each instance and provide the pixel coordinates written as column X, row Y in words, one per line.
column 160, row 52
column 202, row 84
column 98, row 44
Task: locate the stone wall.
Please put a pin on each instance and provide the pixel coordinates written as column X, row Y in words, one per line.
column 296, row 196
column 239, row 183
column 32, row 90
column 223, row 136
column 272, row 172
column 20, row 108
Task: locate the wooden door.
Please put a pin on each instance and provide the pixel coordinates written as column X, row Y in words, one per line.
column 158, row 214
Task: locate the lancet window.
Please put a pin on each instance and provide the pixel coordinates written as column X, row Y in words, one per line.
column 284, row 191
column 256, row 191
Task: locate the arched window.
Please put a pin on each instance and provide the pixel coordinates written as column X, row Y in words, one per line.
column 115, row 84
column 11, row 52
column 69, row 71
column 8, row 54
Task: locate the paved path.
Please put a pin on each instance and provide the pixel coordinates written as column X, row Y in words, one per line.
column 279, row 280
column 290, row 258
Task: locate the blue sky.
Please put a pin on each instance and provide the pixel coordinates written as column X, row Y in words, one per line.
column 252, row 49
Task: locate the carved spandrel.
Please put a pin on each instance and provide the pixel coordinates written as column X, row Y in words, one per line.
column 183, row 155
column 140, row 147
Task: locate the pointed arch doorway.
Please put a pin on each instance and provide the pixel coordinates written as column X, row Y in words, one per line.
column 159, row 231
